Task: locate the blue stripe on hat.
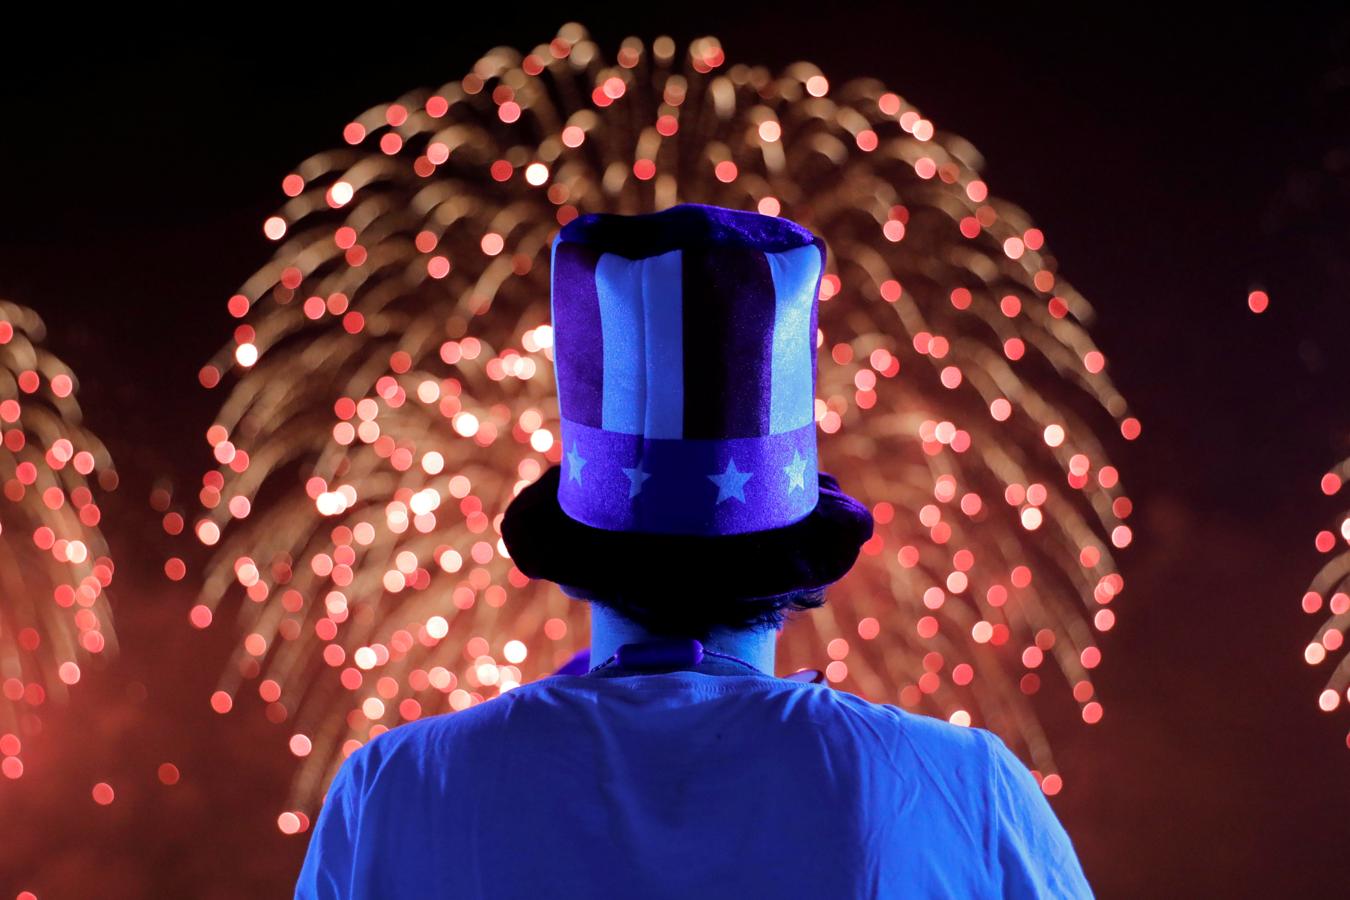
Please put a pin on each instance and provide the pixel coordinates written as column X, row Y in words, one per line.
column 643, row 351
column 662, row 295
column 796, row 275
column 618, row 285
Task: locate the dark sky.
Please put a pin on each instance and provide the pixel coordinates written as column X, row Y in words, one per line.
column 1175, row 163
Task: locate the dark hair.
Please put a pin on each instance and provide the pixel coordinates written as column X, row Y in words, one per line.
column 696, row 613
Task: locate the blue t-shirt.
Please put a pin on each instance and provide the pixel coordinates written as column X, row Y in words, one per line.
column 686, row 785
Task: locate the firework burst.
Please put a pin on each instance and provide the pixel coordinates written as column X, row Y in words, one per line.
column 394, row 391
column 54, row 564
column 1330, row 592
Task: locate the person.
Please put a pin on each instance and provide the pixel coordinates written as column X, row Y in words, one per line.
column 689, row 512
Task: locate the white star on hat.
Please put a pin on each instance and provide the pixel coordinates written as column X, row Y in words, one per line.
column 795, row 471
column 637, row 477
column 575, row 461
column 731, row 483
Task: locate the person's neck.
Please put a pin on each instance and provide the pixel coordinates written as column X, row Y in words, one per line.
column 609, row 630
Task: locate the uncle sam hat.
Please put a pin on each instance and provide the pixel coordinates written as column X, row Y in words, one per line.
column 684, row 347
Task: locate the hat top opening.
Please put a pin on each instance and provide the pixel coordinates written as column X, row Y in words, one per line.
column 682, row 226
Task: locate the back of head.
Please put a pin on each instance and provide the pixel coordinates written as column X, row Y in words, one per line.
column 698, row 612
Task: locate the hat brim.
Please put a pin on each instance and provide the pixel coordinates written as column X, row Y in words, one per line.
column 544, row 542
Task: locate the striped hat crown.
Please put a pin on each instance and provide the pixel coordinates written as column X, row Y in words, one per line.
column 685, row 358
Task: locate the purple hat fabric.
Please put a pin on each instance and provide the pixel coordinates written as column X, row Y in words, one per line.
column 685, row 355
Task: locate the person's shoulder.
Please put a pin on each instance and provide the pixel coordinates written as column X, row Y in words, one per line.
column 993, row 792
column 922, row 731
column 424, row 742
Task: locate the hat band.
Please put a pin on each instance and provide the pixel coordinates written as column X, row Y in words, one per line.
column 630, row 482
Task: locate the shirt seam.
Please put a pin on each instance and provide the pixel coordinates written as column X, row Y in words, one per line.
column 995, row 786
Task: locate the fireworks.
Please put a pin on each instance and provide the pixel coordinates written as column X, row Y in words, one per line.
column 394, row 390
column 1331, row 590
column 54, row 564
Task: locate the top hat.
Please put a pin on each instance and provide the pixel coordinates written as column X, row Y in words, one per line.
column 684, row 348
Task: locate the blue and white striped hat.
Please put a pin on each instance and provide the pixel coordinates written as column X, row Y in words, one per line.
column 684, row 349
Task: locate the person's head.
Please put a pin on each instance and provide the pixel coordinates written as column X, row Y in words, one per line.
column 697, row 614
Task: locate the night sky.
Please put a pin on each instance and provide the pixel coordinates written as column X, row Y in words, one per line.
column 1174, row 164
